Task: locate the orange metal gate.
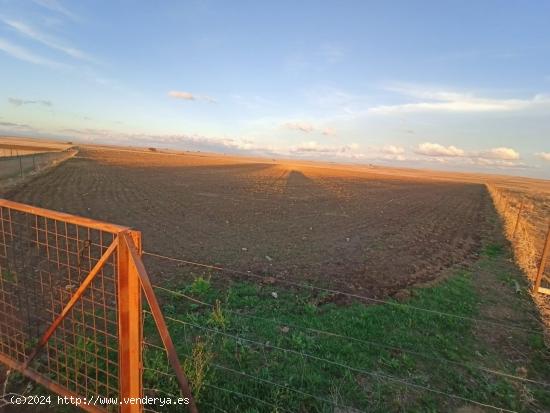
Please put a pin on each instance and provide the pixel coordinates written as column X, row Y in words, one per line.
column 71, row 306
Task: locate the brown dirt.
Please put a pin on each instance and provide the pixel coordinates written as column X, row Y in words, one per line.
column 348, row 227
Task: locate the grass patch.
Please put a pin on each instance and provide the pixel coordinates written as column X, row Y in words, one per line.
column 288, row 365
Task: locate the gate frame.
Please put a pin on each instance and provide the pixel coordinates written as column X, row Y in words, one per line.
column 132, row 280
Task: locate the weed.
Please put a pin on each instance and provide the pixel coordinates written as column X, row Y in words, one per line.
column 217, row 317
column 196, row 366
column 201, row 286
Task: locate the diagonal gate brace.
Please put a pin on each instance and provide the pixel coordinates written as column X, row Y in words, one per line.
column 162, row 328
column 74, row 298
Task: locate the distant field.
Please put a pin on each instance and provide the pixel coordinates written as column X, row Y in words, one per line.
column 14, row 146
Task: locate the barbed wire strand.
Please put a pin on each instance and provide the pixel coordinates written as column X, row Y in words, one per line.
column 352, row 295
column 362, row 341
column 342, row 365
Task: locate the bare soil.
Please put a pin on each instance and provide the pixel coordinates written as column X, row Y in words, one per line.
column 348, row 227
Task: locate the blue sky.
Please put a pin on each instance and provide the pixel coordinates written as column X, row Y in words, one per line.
column 461, row 85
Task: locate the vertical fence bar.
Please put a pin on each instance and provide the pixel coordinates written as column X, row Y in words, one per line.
column 542, row 263
column 520, row 210
column 160, row 323
column 129, row 330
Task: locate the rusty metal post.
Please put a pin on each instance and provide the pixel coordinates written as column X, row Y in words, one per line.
column 129, row 330
column 542, row 263
column 160, row 322
column 520, row 210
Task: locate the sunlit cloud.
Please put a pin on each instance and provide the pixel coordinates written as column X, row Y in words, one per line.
column 313, row 147
column 500, row 157
column 437, row 150
column 308, row 127
column 500, row 153
column 392, row 150
column 328, row 131
column 176, row 94
column 543, row 155
column 300, row 126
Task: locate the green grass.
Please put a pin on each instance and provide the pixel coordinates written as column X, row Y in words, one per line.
column 344, row 371
column 256, row 351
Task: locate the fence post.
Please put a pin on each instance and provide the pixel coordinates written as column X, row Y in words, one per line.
column 129, row 329
column 20, row 166
column 520, row 210
column 542, row 263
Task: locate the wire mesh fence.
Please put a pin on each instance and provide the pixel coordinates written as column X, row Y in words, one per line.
column 43, row 261
column 16, row 164
column 527, row 226
column 70, row 306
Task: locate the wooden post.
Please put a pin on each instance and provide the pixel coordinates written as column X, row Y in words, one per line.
column 130, row 333
column 20, row 166
column 542, row 264
column 520, row 210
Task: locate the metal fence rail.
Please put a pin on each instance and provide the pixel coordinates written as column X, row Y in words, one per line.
column 70, row 305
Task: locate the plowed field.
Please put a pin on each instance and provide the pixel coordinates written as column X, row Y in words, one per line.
column 348, row 227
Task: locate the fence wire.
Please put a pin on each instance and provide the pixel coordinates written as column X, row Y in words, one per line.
column 270, row 353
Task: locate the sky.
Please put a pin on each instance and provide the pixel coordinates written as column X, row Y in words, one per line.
column 458, row 85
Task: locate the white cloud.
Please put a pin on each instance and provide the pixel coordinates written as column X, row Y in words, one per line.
column 329, row 131
column 26, row 55
column 392, row 150
column 434, row 100
column 313, row 147
column 500, row 163
column 498, row 157
column 543, row 155
column 500, row 153
column 307, row 127
column 437, row 150
column 300, row 126
column 181, row 95
column 43, row 38
column 176, row 94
